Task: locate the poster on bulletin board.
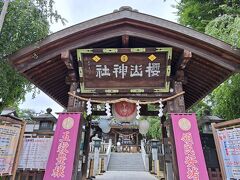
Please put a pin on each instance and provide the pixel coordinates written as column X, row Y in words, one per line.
column 227, row 140
column 9, row 137
column 35, row 152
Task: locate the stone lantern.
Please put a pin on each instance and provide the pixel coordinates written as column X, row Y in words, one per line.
column 154, row 143
column 97, row 142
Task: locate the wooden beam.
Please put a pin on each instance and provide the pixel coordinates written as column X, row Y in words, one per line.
column 142, row 97
column 141, row 31
column 178, row 30
column 142, row 113
column 186, row 44
column 227, row 123
column 125, row 41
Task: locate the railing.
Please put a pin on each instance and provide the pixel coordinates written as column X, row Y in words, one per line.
column 108, row 155
column 144, row 156
column 103, row 148
column 103, row 157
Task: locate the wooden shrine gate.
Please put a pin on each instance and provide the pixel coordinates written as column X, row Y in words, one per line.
column 129, row 55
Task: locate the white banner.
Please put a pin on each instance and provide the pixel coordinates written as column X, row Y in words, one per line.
column 35, row 152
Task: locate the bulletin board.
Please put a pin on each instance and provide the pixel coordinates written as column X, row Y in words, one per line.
column 227, row 140
column 11, row 137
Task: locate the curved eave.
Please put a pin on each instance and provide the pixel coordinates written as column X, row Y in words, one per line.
column 131, row 15
column 219, row 56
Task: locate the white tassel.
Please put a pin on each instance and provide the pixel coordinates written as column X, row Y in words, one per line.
column 108, row 111
column 138, row 110
column 89, row 107
column 160, row 114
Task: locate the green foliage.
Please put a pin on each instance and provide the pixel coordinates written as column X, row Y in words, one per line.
column 201, row 108
column 220, row 19
column 27, row 114
column 226, row 99
column 26, row 22
column 225, row 28
column 154, row 131
column 198, row 13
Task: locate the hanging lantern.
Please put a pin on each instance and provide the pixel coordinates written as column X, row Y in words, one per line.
column 107, row 130
column 104, row 125
column 143, row 127
column 124, row 111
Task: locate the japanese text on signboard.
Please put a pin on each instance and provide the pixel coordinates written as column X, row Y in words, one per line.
column 62, row 151
column 122, row 70
column 9, row 137
column 190, row 158
column 125, row 69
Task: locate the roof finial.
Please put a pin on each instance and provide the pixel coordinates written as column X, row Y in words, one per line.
column 123, row 8
column 49, row 110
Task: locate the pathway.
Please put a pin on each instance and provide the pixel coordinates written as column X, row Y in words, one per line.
column 126, row 175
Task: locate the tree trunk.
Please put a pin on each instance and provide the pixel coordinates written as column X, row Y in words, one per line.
column 3, row 13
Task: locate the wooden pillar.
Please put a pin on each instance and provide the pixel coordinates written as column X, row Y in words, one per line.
column 86, row 147
column 74, row 105
column 176, row 105
column 163, row 129
column 137, row 141
column 77, row 172
column 115, row 137
column 164, row 141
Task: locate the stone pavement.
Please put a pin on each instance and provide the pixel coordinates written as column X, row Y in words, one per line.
column 126, row 175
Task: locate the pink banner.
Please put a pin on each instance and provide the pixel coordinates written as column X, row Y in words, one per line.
column 191, row 163
column 61, row 158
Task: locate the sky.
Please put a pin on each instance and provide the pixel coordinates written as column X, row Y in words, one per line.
column 76, row 11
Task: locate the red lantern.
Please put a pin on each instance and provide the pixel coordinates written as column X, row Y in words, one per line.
column 124, row 111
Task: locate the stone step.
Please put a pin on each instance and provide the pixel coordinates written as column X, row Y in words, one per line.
column 126, row 162
column 128, row 169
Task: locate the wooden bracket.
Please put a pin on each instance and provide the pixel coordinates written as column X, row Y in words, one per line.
column 183, row 60
column 181, row 65
column 65, row 57
column 187, row 55
column 71, row 77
